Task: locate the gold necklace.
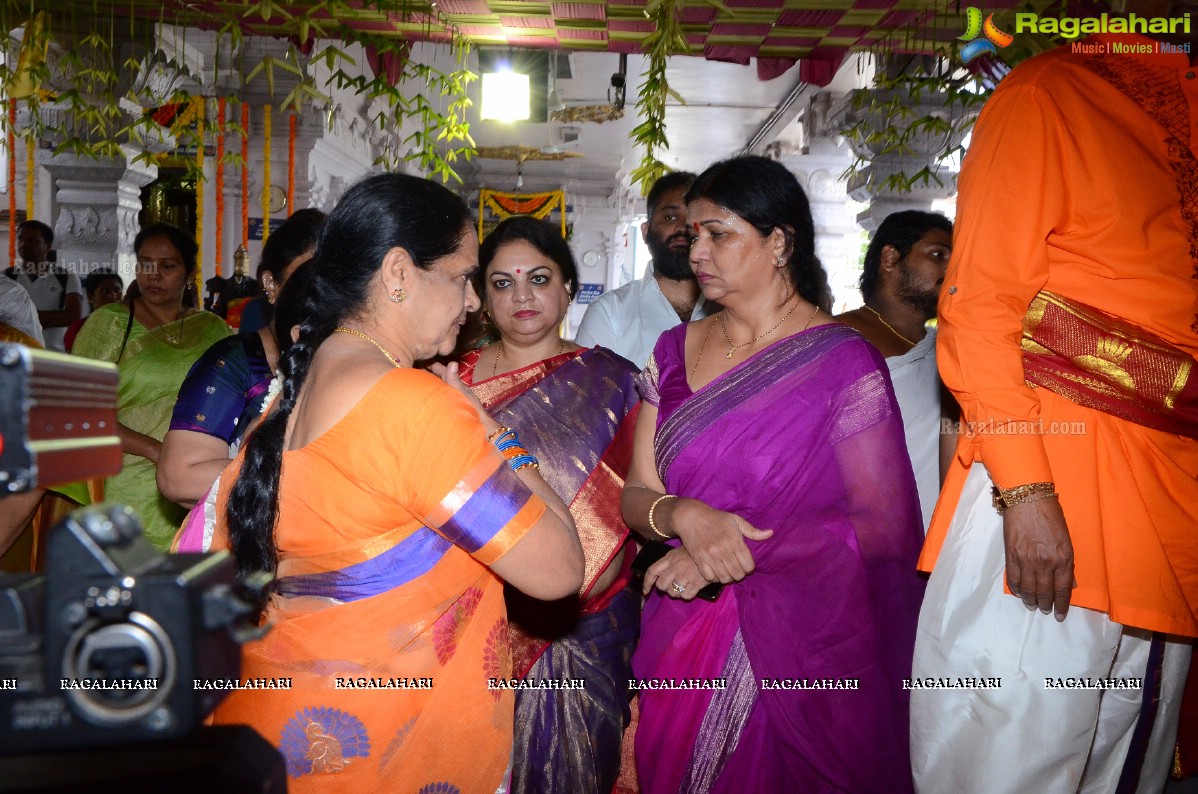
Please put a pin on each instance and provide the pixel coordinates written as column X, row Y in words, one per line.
column 499, row 352
column 702, row 347
column 733, row 348
column 394, row 361
column 176, row 337
column 888, row 325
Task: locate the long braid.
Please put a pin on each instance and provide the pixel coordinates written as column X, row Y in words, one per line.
column 253, row 507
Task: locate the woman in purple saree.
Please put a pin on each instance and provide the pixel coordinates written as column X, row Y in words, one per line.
column 778, row 466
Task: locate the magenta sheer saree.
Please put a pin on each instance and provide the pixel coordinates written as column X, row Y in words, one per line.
column 804, row 438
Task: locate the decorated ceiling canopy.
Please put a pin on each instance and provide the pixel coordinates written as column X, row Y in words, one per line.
column 776, row 32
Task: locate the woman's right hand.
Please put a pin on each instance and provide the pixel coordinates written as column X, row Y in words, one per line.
column 449, row 374
column 715, row 540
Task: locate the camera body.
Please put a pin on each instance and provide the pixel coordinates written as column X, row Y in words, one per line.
column 103, row 649
column 57, row 419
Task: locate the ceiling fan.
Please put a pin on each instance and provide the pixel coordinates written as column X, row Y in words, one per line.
column 565, row 142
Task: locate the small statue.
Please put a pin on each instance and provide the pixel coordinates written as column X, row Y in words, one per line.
column 237, row 290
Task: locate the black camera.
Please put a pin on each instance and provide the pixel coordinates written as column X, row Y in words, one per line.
column 106, row 646
column 57, row 419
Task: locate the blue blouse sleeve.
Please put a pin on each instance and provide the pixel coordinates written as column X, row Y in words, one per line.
column 231, row 377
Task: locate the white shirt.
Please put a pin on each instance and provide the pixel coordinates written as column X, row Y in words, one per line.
column 917, row 387
column 46, row 292
column 17, row 309
column 629, row 319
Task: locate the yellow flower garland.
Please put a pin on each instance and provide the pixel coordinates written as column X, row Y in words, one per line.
column 199, row 276
column 266, row 173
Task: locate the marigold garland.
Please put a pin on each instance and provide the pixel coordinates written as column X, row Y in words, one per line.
column 290, row 164
column 219, row 185
column 30, row 173
column 245, row 174
column 199, row 273
column 12, row 180
column 265, row 172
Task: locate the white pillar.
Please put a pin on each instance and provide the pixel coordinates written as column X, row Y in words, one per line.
column 873, row 109
column 98, row 202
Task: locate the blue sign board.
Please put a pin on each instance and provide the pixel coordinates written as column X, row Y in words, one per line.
column 588, row 293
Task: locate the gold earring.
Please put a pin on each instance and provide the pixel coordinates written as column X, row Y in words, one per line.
column 398, row 295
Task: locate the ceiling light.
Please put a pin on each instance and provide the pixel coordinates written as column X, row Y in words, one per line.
column 505, row 96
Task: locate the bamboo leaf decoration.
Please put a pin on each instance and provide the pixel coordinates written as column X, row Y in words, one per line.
column 887, row 121
column 95, row 111
column 655, row 91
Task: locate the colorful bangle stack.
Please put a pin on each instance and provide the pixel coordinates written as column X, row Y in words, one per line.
column 508, row 444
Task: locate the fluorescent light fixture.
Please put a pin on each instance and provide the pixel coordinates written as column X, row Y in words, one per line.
column 505, row 96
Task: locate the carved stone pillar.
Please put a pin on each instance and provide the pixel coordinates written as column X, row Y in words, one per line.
column 98, row 202
column 337, row 159
column 870, row 111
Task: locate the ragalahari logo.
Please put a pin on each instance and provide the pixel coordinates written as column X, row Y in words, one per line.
column 974, row 27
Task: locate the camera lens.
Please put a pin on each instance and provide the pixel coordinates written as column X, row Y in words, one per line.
column 118, row 673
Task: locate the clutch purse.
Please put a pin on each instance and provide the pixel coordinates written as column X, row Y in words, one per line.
column 653, row 551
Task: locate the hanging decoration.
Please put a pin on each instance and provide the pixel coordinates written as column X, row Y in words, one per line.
column 494, row 206
column 245, row 174
column 12, row 180
column 30, row 173
column 265, row 172
column 219, row 186
column 290, row 164
column 199, row 273
column 667, row 38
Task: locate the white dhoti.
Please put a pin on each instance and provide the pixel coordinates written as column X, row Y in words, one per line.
column 1036, row 731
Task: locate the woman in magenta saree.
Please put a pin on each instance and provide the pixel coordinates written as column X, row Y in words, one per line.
column 814, row 635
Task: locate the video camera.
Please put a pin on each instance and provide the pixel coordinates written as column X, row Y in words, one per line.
column 104, row 647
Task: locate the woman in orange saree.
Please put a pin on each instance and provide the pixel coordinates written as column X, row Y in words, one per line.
column 372, row 490
column 575, row 409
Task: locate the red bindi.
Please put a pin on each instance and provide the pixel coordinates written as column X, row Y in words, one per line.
column 696, row 227
column 517, row 271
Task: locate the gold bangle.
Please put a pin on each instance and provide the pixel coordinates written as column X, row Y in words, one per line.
column 652, row 507
column 1005, row 498
column 502, row 429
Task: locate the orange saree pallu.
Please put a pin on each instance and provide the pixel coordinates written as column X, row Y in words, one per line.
column 1109, row 364
column 386, row 627
column 576, row 412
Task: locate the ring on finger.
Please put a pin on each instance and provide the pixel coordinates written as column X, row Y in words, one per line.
column 678, row 588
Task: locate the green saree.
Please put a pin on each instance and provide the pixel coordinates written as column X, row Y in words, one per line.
column 153, row 366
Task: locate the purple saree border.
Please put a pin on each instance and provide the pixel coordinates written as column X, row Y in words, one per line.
column 409, row 559
column 488, row 510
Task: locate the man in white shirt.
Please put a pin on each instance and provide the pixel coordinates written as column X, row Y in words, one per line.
column 904, row 270
column 629, row 319
column 57, row 294
column 17, row 310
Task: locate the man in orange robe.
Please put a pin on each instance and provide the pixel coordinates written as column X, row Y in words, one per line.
column 1076, row 254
